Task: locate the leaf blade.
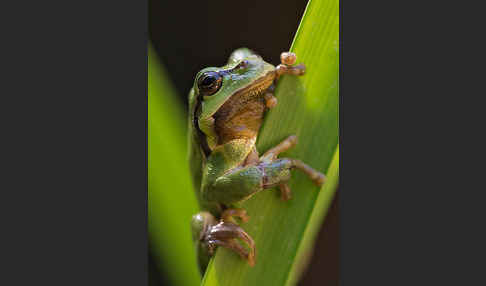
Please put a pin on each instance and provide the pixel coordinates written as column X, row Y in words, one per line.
column 308, row 107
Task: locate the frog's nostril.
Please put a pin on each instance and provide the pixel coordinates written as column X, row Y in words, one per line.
column 243, row 64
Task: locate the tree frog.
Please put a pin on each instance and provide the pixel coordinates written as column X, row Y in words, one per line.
column 226, row 108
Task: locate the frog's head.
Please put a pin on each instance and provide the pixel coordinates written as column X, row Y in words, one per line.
column 245, row 72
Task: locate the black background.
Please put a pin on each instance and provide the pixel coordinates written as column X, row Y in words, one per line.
column 205, row 36
column 206, row 33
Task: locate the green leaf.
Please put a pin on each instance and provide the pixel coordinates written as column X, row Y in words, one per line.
column 308, row 107
column 171, row 201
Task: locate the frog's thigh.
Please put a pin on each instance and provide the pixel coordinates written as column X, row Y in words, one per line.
column 236, row 185
column 241, row 183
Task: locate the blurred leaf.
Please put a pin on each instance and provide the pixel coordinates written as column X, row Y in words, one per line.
column 171, row 201
column 323, row 202
column 308, row 107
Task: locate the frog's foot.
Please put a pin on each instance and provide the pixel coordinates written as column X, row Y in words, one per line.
column 317, row 177
column 287, row 60
column 226, row 234
column 270, row 100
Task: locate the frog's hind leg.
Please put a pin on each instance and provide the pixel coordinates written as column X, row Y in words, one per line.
column 285, row 145
column 228, row 215
column 271, row 156
column 317, row 177
column 209, row 233
column 285, row 192
column 277, row 173
column 200, row 225
column 267, row 172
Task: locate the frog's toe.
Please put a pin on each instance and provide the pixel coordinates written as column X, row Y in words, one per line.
column 270, row 100
column 227, row 234
column 285, row 192
column 288, row 58
column 319, row 179
column 228, row 215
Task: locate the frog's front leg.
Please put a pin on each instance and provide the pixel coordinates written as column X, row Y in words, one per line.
column 287, row 60
column 288, row 143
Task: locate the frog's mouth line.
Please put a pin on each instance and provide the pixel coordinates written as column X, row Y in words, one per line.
column 257, row 87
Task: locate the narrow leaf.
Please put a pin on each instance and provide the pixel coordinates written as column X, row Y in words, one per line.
column 308, row 107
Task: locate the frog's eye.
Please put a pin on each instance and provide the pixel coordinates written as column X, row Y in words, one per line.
column 209, row 83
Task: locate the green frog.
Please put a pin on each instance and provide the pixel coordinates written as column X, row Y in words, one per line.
column 226, row 108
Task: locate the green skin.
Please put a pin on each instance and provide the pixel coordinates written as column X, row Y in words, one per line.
column 225, row 166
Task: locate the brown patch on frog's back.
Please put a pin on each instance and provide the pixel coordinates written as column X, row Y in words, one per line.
column 240, row 117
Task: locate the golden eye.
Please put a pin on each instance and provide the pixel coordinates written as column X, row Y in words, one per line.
column 209, row 83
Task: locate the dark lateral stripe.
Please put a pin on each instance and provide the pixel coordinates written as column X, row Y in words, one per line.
column 197, row 111
column 203, row 142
